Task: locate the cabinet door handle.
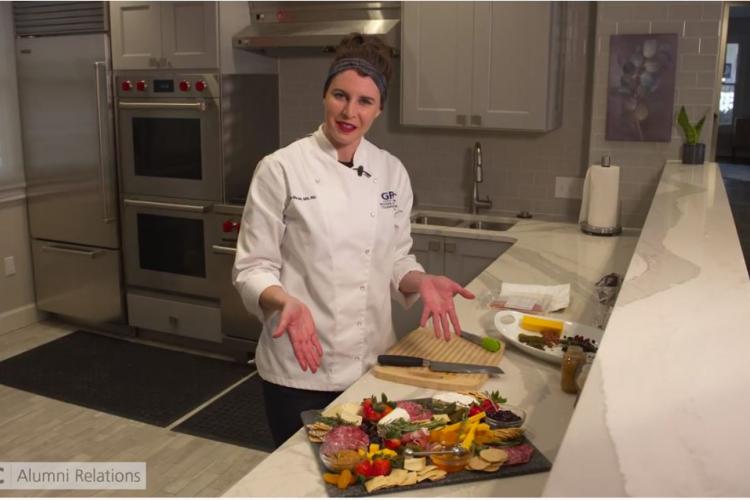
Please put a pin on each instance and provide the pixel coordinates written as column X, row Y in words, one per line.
column 450, row 248
column 434, row 246
column 152, row 61
column 476, row 119
column 173, row 320
column 461, row 119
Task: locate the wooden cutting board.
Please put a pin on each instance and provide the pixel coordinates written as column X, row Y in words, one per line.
column 422, row 343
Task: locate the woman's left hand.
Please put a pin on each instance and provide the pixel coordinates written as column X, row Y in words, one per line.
column 437, row 298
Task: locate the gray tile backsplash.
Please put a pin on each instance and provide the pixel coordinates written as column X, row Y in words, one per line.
column 697, row 24
column 520, row 168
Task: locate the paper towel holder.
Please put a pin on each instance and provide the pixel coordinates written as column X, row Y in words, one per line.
column 600, row 231
column 604, row 231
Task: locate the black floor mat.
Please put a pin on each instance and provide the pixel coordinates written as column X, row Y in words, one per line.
column 238, row 417
column 136, row 381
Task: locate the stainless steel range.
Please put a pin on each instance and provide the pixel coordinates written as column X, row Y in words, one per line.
column 187, row 142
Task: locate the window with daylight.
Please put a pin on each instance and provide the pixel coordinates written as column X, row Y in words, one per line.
column 728, row 81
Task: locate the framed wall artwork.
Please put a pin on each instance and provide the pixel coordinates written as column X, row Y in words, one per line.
column 640, row 92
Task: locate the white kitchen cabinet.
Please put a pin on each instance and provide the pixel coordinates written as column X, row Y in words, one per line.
column 164, row 35
column 482, row 65
column 460, row 259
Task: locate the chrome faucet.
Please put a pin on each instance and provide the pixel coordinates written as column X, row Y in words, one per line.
column 476, row 201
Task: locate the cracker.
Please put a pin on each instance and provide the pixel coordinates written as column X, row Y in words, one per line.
column 397, row 476
column 415, row 464
column 477, row 463
column 376, row 483
column 437, row 475
column 494, row 455
column 411, row 478
column 493, row 468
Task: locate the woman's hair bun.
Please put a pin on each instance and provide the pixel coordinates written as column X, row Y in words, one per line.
column 369, row 48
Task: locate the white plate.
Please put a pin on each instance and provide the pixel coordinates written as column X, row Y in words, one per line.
column 511, row 328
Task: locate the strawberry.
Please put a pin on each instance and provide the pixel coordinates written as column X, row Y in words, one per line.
column 392, row 444
column 364, row 468
column 380, row 467
column 474, row 410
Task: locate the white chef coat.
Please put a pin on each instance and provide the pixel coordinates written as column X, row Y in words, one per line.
column 337, row 241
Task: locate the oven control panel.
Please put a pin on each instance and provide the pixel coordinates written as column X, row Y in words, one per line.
column 166, row 85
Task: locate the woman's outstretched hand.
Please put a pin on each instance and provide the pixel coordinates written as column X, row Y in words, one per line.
column 297, row 322
column 437, row 298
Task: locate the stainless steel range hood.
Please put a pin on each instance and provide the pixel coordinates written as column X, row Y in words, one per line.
column 281, row 28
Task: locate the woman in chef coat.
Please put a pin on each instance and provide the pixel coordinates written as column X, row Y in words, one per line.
column 324, row 245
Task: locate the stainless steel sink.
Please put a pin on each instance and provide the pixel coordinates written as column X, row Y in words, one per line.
column 437, row 221
column 490, row 225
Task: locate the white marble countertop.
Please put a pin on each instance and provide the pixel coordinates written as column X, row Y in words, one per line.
column 543, row 253
column 665, row 410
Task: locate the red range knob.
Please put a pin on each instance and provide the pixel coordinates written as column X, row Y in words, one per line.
column 200, row 85
column 126, row 85
column 141, row 85
column 230, row 225
column 184, row 85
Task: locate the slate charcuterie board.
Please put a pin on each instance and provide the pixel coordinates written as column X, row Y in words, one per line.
column 538, row 463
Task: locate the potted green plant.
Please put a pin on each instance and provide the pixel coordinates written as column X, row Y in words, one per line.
column 693, row 152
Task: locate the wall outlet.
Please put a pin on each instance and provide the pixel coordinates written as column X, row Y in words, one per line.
column 10, row 265
column 569, row 187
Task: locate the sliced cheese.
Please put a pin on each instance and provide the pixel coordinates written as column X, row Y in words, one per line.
column 349, row 412
column 536, row 324
column 454, row 397
column 395, row 415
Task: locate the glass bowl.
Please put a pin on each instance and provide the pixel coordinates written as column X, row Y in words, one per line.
column 343, row 459
column 506, row 420
column 450, row 462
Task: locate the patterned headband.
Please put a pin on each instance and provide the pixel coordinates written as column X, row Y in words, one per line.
column 362, row 66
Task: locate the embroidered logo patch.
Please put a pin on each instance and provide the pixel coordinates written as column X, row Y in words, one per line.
column 388, row 200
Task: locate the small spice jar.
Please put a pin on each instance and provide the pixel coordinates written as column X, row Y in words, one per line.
column 573, row 360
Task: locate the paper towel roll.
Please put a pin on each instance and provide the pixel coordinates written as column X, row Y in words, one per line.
column 600, row 206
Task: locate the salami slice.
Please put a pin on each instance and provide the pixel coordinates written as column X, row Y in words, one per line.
column 415, row 410
column 520, row 454
column 344, row 437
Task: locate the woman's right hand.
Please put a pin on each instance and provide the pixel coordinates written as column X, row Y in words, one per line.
column 296, row 320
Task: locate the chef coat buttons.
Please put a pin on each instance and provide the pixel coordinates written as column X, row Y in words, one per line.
column 372, row 214
column 367, row 252
column 317, row 181
column 359, row 323
column 362, row 287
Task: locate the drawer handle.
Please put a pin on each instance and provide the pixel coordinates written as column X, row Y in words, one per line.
column 434, row 246
column 223, row 250
column 173, row 321
column 450, row 248
column 84, row 253
column 167, row 206
column 461, row 119
column 476, row 120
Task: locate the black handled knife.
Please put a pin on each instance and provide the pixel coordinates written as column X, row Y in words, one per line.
column 437, row 366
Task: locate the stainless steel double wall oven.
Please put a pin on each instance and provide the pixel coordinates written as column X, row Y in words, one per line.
column 187, row 143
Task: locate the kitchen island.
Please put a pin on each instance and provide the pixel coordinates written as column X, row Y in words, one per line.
column 542, row 253
column 663, row 412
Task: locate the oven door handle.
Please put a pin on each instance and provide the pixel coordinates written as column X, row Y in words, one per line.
column 199, row 209
column 199, row 106
column 223, row 250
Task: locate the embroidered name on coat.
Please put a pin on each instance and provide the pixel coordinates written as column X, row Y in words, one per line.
column 388, row 200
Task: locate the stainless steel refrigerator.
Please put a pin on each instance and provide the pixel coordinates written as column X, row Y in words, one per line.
column 68, row 142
